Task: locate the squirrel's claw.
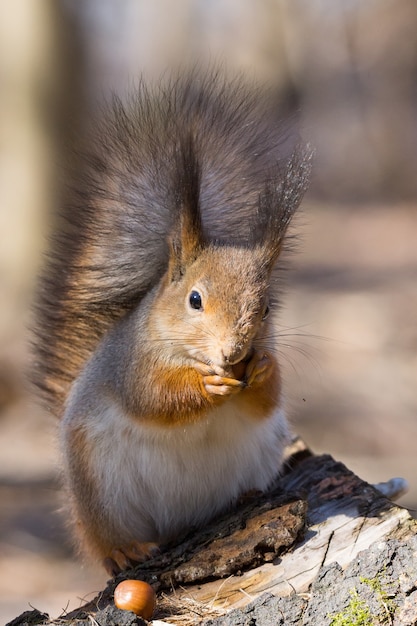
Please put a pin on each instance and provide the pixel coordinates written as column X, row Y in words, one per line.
column 124, row 558
column 204, row 369
column 209, row 370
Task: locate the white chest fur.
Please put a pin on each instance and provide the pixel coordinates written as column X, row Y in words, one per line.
column 156, row 482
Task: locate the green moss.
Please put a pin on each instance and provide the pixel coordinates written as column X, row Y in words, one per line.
column 357, row 613
column 385, row 598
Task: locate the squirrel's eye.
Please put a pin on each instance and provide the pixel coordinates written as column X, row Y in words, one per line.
column 195, row 300
column 266, row 313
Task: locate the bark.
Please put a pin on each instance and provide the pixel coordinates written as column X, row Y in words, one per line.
column 321, row 547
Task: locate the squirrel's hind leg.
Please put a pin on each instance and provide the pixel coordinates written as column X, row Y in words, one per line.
column 127, row 556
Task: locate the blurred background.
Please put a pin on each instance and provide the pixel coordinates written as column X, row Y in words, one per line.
column 349, row 327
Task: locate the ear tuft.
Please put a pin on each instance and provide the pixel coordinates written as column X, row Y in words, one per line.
column 186, row 240
column 279, row 200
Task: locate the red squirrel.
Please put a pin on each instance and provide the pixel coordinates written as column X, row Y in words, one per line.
column 157, row 314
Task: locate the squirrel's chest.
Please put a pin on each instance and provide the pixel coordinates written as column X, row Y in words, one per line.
column 183, row 476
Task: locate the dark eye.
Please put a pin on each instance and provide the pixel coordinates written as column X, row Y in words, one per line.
column 195, row 300
column 265, row 313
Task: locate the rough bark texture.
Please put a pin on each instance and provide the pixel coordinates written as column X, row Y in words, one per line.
column 326, row 547
column 380, row 583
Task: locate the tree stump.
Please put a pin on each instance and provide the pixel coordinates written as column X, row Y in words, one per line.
column 322, row 546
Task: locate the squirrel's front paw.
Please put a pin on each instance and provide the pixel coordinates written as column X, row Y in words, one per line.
column 259, row 369
column 215, row 384
column 125, row 557
column 221, row 386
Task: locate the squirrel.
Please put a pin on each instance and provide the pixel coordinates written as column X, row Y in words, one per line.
column 157, row 313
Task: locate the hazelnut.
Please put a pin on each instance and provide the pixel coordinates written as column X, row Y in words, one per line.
column 136, row 596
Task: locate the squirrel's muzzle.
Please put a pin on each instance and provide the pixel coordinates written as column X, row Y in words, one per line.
column 233, row 354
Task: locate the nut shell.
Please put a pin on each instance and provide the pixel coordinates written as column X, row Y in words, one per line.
column 136, row 596
column 239, row 370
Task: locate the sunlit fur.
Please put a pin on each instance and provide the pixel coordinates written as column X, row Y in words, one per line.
column 170, row 412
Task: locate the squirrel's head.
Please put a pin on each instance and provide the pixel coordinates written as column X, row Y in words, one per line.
column 217, row 307
column 214, row 301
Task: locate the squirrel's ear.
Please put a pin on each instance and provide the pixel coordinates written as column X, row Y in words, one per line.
column 186, row 240
column 279, row 200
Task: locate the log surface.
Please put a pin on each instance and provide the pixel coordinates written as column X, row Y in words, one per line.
column 302, row 539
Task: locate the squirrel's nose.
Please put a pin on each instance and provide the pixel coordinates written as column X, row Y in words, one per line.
column 233, row 354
